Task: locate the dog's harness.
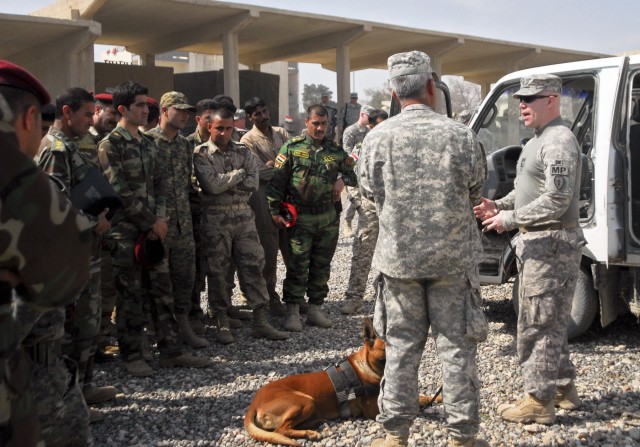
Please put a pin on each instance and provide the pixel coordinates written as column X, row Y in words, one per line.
column 348, row 386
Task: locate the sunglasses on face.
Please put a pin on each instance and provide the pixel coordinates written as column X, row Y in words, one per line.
column 530, row 99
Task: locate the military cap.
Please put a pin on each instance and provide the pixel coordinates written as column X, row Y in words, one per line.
column 106, row 98
column 366, row 109
column 177, row 100
column 152, row 102
column 411, row 62
column 13, row 75
column 353, row 95
column 538, row 83
column 240, row 114
column 327, row 94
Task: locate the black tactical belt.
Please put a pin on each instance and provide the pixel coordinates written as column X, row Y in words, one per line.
column 314, row 209
column 548, row 227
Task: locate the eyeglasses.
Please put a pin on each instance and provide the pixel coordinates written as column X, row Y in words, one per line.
column 530, row 99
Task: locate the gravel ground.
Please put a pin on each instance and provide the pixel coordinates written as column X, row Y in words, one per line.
column 189, row 407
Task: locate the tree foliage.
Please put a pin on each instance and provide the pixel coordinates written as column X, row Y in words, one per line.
column 312, row 94
column 464, row 95
column 378, row 98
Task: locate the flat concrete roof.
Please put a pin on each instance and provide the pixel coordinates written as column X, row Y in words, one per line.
column 268, row 34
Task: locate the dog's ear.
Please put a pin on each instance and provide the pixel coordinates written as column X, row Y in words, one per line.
column 368, row 334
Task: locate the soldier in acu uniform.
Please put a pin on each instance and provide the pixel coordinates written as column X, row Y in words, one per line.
column 424, row 172
column 306, row 174
column 228, row 173
column 544, row 206
column 38, row 228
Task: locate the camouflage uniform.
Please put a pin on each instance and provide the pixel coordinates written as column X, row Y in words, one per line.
column 265, row 148
column 304, row 176
column 546, row 195
column 229, row 232
column 61, row 158
column 48, row 229
column 88, row 147
column 348, row 115
column 352, row 142
column 195, row 140
column 424, row 172
column 363, row 247
column 174, row 160
column 332, row 116
column 131, row 165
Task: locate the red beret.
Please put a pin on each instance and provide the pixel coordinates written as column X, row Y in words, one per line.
column 152, row 102
column 13, row 75
column 107, row 98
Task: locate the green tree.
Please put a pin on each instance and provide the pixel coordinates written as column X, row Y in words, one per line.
column 312, row 94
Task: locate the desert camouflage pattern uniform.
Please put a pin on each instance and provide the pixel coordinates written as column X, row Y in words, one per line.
column 265, row 148
column 332, row 116
column 131, row 166
column 546, row 192
column 362, row 248
column 227, row 179
column 352, row 142
column 348, row 115
column 88, row 147
column 175, row 162
column 62, row 159
column 424, row 172
column 200, row 280
column 304, row 176
column 37, row 226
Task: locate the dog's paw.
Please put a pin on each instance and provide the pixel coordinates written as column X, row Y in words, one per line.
column 313, row 435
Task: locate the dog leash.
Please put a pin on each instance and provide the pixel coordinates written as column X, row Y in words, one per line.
column 435, row 396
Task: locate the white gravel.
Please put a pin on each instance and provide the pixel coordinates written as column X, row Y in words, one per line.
column 205, row 407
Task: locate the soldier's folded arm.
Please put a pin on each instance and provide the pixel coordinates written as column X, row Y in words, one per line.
column 252, row 180
column 211, row 181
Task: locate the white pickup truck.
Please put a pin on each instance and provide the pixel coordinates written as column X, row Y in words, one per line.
column 601, row 105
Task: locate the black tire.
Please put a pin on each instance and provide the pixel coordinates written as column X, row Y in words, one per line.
column 584, row 306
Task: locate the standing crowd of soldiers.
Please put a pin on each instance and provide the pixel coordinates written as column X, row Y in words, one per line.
column 132, row 221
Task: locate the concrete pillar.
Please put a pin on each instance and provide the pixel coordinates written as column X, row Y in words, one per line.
column 436, row 64
column 148, row 60
column 231, row 62
column 343, row 71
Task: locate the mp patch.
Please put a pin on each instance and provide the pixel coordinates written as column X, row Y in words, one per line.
column 301, row 154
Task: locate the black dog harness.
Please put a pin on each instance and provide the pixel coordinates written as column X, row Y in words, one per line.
column 348, row 386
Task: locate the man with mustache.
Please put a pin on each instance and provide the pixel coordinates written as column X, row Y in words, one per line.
column 310, row 172
column 265, row 141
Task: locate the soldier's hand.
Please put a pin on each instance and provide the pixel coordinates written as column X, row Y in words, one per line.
column 269, row 163
column 494, row 223
column 338, row 187
column 160, row 228
column 278, row 220
column 486, row 209
column 103, row 223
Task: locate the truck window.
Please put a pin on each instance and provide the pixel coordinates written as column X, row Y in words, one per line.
column 634, row 155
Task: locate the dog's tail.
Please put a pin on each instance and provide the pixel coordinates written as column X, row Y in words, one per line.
column 260, row 434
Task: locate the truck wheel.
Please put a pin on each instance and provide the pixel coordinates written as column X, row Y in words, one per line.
column 584, row 306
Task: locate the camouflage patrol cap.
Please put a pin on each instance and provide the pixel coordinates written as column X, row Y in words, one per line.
column 411, row 62
column 538, row 83
column 240, row 114
column 177, row 100
column 366, row 109
column 353, row 95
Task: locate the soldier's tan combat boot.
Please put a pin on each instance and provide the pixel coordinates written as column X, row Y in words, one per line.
column 315, row 317
column 138, row 368
column 186, row 360
column 262, row 327
column 567, row 397
column 468, row 442
column 293, row 323
column 98, row 394
column 347, row 230
column 223, row 330
column 529, row 410
column 188, row 336
column 391, row 441
column 351, row 306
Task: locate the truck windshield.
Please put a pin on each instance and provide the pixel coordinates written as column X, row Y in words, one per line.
column 502, row 125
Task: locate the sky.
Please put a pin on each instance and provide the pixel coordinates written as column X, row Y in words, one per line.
column 585, row 25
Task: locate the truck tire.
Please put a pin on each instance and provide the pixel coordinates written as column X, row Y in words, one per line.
column 584, row 306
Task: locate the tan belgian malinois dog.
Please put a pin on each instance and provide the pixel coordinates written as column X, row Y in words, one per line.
column 290, row 407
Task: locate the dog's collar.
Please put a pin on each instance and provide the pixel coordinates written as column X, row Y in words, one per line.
column 348, row 387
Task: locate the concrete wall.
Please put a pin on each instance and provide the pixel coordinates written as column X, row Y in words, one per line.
column 157, row 79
